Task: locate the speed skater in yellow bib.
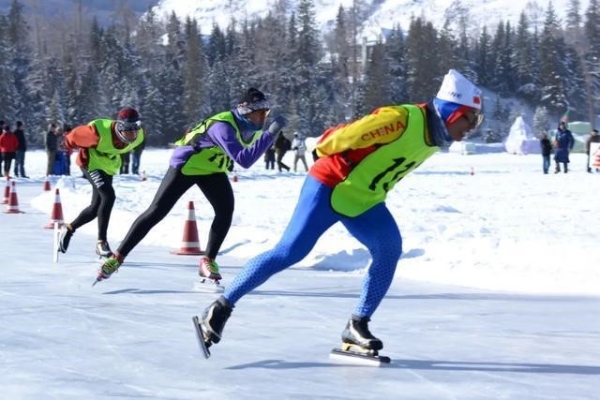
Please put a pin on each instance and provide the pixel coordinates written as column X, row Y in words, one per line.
column 358, row 164
column 101, row 143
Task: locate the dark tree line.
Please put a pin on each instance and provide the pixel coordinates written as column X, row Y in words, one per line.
column 177, row 72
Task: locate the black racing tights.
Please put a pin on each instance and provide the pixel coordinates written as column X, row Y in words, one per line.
column 103, row 199
column 217, row 190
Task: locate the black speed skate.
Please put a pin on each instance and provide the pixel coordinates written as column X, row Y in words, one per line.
column 357, row 334
column 103, row 249
column 64, row 238
column 210, row 328
column 358, row 343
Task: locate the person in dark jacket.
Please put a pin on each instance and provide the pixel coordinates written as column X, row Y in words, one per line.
column 593, row 138
column 51, row 145
column 282, row 145
column 125, row 162
column 270, row 158
column 563, row 143
column 546, row 147
column 67, row 151
column 8, row 148
column 136, row 156
column 20, row 154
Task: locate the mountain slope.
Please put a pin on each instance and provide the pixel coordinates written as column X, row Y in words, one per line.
column 381, row 13
column 103, row 10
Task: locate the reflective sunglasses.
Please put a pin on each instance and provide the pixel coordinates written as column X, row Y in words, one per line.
column 475, row 120
column 130, row 126
column 263, row 111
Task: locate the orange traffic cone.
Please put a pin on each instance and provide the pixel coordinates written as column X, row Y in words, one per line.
column 13, row 203
column 57, row 213
column 47, row 187
column 6, row 191
column 190, row 244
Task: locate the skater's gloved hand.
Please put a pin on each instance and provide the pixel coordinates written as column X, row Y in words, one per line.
column 181, row 154
column 315, row 155
column 277, row 125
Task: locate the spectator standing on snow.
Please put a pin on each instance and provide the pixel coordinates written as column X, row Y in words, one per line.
column 20, row 153
column 299, row 148
column 282, row 145
column 563, row 144
column 136, row 157
column 51, row 145
column 8, row 148
column 270, row 158
column 546, row 148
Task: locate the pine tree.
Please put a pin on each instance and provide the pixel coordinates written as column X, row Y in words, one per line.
column 377, row 77
column 498, row 52
column 526, row 77
column 592, row 28
column 170, row 115
column 541, row 121
column 291, row 77
column 194, row 74
column 553, row 68
column 148, row 45
column 484, row 58
column 271, row 58
column 589, row 54
column 308, row 94
column 394, row 50
column 36, row 118
column 447, row 50
column 20, row 55
column 8, row 102
column 507, row 67
column 424, row 71
column 87, row 100
column 339, row 44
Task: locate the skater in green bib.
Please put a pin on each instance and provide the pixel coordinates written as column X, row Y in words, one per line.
column 101, row 143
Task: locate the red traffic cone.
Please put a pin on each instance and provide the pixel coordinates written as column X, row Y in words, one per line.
column 13, row 203
column 6, row 191
column 57, row 213
column 47, row 187
column 190, row 245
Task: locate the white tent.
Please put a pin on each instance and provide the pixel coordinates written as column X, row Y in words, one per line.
column 520, row 139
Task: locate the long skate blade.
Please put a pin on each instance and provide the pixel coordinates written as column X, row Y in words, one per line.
column 56, row 242
column 355, row 357
column 208, row 286
column 200, row 337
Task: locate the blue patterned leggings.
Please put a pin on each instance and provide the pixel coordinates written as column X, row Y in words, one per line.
column 376, row 229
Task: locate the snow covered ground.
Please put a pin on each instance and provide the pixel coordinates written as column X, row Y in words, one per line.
column 496, row 296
